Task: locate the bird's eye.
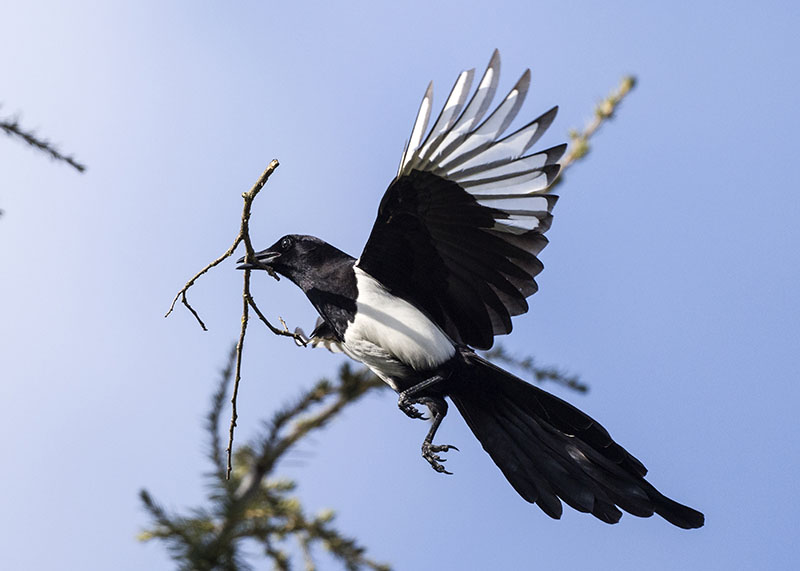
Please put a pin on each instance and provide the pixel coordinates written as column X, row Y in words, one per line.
column 286, row 243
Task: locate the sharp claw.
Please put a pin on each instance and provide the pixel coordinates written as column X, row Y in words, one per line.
column 411, row 411
column 429, row 452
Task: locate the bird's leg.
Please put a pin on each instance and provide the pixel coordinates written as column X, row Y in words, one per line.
column 406, row 401
column 438, row 409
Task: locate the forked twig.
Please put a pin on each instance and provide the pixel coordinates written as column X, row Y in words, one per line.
column 243, row 236
column 247, row 298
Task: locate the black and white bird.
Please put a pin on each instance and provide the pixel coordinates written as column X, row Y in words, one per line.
column 451, row 258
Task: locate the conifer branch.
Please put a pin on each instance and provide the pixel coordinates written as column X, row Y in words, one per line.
column 253, row 505
column 13, row 129
column 579, row 146
column 540, row 374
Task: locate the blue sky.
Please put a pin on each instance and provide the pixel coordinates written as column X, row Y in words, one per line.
column 669, row 284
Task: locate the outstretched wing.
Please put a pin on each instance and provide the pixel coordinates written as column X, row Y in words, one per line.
column 459, row 228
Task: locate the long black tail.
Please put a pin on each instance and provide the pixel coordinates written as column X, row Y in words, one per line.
column 548, row 449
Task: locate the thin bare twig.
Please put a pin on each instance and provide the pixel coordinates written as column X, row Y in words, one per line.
column 243, row 236
column 212, row 423
column 13, row 129
column 248, row 301
column 237, row 377
column 247, row 298
column 299, row 339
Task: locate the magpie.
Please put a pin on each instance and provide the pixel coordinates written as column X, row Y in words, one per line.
column 452, row 256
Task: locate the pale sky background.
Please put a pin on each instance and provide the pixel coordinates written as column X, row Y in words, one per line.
column 670, row 283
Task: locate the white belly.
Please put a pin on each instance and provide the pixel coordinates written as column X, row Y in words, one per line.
column 390, row 335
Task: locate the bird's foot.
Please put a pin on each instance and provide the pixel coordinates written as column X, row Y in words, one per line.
column 438, row 409
column 430, row 453
column 407, row 406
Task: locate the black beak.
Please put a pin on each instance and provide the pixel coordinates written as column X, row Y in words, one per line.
column 263, row 258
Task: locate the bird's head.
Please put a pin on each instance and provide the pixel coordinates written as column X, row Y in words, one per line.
column 297, row 257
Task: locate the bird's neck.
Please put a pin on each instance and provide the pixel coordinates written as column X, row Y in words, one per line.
column 333, row 292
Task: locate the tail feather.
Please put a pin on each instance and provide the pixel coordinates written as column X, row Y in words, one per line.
column 550, row 451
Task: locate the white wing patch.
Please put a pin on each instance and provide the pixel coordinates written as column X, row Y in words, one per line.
column 389, row 334
column 473, row 152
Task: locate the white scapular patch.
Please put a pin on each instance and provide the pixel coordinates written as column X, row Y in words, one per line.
column 390, row 335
